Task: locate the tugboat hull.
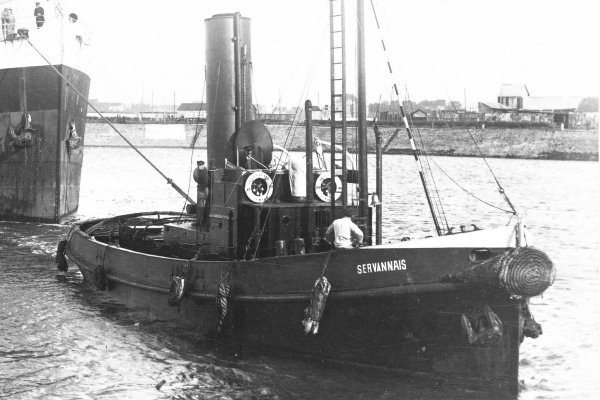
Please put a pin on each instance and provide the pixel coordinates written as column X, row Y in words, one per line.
column 407, row 318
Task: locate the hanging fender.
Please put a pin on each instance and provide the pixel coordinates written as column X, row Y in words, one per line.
column 176, row 290
column 61, row 260
column 222, row 300
column 314, row 312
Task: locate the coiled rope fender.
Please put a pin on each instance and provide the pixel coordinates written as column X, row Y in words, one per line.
column 61, row 260
column 314, row 312
column 222, row 300
column 176, row 290
column 523, row 271
column 99, row 277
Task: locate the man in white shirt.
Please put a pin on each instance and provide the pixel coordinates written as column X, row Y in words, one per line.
column 343, row 232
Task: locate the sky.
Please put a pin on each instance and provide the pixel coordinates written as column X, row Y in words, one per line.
column 462, row 49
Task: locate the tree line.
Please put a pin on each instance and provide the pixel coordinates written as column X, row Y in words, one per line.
column 410, row 106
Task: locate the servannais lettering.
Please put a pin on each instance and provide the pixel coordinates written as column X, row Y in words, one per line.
column 382, row 266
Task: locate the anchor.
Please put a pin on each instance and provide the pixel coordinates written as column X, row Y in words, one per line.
column 488, row 327
column 20, row 137
column 531, row 328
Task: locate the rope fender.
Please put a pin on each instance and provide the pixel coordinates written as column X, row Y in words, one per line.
column 61, row 260
column 222, row 300
column 523, row 272
column 314, row 312
column 176, row 290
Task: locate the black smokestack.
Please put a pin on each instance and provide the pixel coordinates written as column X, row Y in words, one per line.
column 228, row 82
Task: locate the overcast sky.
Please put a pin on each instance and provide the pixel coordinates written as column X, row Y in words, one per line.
column 439, row 49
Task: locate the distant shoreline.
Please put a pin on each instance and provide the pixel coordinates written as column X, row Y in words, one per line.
column 512, row 143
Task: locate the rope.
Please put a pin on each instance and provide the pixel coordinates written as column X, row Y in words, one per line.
column 291, row 132
column 468, row 192
column 222, row 301
column 522, row 271
column 197, row 132
column 169, row 180
column 325, row 264
column 314, row 312
column 500, row 188
column 408, row 131
column 438, row 203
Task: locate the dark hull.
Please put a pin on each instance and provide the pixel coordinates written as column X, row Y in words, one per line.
column 406, row 320
column 41, row 182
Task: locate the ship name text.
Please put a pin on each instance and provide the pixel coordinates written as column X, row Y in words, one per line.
column 383, row 266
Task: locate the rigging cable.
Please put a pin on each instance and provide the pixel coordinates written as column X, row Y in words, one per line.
column 293, row 128
column 410, row 136
column 438, row 199
column 468, row 192
column 169, row 180
column 500, row 188
column 291, row 131
column 196, row 134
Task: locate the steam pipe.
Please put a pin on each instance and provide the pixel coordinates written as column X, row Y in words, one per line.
column 237, row 61
column 379, row 185
column 362, row 114
column 309, row 151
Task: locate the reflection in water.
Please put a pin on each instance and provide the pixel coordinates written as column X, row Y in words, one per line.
column 60, row 339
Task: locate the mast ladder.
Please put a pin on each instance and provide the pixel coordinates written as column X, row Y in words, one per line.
column 337, row 40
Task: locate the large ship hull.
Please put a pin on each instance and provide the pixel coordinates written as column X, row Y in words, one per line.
column 390, row 307
column 40, row 182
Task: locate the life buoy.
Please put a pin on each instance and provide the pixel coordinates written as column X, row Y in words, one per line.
column 99, row 278
column 323, row 187
column 176, row 290
column 258, row 187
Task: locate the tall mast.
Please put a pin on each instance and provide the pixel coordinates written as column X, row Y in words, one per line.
column 362, row 115
column 411, row 139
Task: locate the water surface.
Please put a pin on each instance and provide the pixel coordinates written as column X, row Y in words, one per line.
column 59, row 339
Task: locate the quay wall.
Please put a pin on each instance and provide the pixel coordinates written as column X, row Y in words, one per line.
column 528, row 143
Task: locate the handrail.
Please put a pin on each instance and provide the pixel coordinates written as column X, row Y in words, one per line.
column 60, row 22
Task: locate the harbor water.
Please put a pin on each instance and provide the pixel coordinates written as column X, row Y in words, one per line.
column 60, row 339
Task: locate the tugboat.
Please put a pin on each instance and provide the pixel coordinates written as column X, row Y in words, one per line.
column 249, row 261
column 42, row 117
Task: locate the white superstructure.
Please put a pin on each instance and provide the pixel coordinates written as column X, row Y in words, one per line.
column 61, row 39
